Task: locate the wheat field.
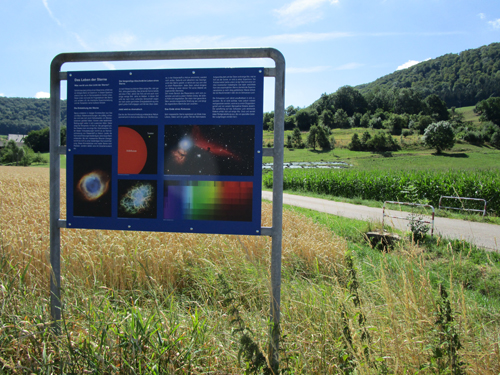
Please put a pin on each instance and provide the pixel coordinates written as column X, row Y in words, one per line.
column 147, row 302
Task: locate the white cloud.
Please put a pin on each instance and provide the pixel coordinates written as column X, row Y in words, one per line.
column 407, row 64
column 349, row 66
column 42, row 95
column 121, row 40
column 482, row 16
column 221, row 41
column 312, row 69
column 300, row 12
column 46, row 5
column 495, row 24
column 410, row 63
column 2, row 94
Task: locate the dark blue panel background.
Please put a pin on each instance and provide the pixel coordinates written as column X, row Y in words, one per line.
column 158, row 224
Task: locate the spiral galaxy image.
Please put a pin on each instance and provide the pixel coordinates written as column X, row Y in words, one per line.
column 137, row 199
column 92, row 185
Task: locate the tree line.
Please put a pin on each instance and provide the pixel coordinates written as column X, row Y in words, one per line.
column 462, row 79
column 22, row 115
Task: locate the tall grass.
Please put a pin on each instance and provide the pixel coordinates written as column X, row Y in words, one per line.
column 155, row 303
column 389, row 186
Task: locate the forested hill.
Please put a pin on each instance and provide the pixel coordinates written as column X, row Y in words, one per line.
column 22, row 115
column 459, row 79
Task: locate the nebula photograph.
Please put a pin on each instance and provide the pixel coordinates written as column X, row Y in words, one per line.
column 138, row 149
column 92, row 185
column 137, row 199
column 211, row 150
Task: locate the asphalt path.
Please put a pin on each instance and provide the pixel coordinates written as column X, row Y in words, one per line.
column 483, row 235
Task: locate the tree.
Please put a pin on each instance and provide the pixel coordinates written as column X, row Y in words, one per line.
column 297, row 139
column 291, row 110
column 322, row 139
column 495, row 139
column 436, row 107
column 341, row 119
column 327, row 118
column 355, row 144
column 312, row 137
column 306, row 118
column 407, row 101
column 489, row 110
column 39, row 140
column 440, row 136
column 421, row 123
column 350, row 100
column 12, row 153
column 396, row 123
column 268, row 120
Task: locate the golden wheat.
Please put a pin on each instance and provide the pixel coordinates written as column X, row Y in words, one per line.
column 399, row 305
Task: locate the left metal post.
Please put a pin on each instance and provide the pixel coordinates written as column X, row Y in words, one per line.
column 55, row 195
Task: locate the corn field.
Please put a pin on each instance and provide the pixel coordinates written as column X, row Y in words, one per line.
column 394, row 186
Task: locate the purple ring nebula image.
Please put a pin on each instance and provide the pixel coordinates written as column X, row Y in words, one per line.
column 93, row 185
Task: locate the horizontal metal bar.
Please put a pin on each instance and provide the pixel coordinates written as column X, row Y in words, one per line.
column 63, row 76
column 266, row 231
column 409, row 219
column 465, row 198
column 61, row 223
column 269, row 72
column 461, row 209
column 227, row 53
column 61, row 150
column 268, row 151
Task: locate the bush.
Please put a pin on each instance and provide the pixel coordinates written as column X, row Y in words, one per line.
column 406, row 132
column 495, row 139
column 473, row 137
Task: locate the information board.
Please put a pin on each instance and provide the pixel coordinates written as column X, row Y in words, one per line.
column 176, row 150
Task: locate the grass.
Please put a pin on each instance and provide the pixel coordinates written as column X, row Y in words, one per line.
column 151, row 303
column 469, row 114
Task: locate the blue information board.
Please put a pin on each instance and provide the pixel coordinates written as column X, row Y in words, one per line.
column 175, row 150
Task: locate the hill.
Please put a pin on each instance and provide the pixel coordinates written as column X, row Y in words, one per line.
column 22, row 115
column 461, row 79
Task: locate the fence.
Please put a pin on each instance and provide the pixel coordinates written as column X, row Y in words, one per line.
column 462, row 208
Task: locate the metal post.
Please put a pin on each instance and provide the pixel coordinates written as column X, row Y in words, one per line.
column 279, row 141
column 55, row 199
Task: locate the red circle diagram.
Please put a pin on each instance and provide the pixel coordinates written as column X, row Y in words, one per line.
column 132, row 151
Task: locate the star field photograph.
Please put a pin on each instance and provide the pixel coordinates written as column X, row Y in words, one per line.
column 138, row 149
column 137, row 199
column 210, row 150
column 92, row 185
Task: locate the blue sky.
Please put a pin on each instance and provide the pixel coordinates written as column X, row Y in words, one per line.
column 326, row 43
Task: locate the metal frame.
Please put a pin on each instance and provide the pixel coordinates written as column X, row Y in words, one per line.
column 277, row 153
column 406, row 218
column 464, row 209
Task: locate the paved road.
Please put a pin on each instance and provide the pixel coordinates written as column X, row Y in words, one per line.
column 480, row 234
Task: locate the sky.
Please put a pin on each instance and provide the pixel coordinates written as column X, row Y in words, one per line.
column 326, row 43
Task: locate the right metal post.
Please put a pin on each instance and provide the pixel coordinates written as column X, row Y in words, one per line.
column 277, row 228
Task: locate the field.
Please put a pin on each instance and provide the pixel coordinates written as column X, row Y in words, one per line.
column 150, row 303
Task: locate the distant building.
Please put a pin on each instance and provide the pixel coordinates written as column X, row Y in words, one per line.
column 18, row 138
